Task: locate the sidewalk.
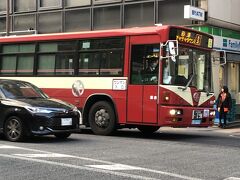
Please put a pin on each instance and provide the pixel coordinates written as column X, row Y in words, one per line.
column 231, row 125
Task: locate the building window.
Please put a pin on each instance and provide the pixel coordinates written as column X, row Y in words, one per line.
column 139, row 14
column 194, row 3
column 105, row 1
column 3, row 7
column 24, row 22
column 72, row 3
column 46, row 4
column 50, row 22
column 24, row 5
column 133, row 0
column 77, row 20
column 2, row 24
column 106, row 17
column 166, row 9
column 238, row 75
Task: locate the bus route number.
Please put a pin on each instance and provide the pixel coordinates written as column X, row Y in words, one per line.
column 119, row 84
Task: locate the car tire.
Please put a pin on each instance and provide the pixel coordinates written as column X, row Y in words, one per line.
column 102, row 118
column 148, row 129
column 62, row 135
column 14, row 129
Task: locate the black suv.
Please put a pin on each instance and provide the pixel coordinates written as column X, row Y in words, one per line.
column 25, row 110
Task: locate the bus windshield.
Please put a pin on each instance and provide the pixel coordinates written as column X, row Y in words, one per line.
column 191, row 68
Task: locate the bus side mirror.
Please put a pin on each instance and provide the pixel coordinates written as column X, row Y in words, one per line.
column 171, row 48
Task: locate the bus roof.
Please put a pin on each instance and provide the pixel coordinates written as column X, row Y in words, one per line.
column 163, row 30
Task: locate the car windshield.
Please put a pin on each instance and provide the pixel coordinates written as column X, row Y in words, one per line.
column 17, row 90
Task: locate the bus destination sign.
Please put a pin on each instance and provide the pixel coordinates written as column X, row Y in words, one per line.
column 191, row 37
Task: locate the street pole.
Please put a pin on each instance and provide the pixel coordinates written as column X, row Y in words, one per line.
column 7, row 18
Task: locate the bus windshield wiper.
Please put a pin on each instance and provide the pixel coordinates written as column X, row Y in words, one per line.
column 189, row 82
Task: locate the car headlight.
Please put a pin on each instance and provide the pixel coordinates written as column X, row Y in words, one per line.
column 39, row 109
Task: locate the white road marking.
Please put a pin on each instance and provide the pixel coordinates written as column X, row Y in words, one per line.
column 126, row 175
column 46, row 152
column 50, row 155
column 115, row 167
column 86, row 159
column 232, row 178
column 235, row 136
column 8, row 147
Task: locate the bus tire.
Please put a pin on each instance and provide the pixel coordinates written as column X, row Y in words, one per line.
column 148, row 129
column 102, row 118
column 14, row 129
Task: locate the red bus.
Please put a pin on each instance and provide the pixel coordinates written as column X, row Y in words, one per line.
column 141, row 78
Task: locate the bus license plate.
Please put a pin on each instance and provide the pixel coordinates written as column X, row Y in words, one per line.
column 196, row 121
column 197, row 117
column 66, row 121
column 197, row 114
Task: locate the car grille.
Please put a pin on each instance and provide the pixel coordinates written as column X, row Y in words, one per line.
column 55, row 122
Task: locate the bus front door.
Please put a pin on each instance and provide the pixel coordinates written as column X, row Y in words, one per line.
column 143, row 81
column 142, row 104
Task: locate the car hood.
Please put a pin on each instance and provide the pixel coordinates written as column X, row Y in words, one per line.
column 39, row 102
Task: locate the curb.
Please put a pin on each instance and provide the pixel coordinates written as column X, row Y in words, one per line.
column 230, row 125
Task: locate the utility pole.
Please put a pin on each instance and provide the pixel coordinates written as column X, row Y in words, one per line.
column 7, row 18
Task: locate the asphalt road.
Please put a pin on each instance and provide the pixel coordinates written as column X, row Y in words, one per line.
column 193, row 154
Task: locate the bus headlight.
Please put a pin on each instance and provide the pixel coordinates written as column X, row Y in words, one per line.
column 175, row 112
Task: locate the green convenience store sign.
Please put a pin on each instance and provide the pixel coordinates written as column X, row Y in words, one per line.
column 224, row 39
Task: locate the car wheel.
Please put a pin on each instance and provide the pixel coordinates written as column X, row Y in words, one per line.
column 14, row 129
column 62, row 135
column 102, row 118
column 148, row 129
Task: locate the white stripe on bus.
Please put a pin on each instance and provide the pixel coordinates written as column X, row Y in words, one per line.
column 67, row 82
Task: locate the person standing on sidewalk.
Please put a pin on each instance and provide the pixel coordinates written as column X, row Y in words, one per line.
column 224, row 104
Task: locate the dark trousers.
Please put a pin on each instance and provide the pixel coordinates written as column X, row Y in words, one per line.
column 222, row 115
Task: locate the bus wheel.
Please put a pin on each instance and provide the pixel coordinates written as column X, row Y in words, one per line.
column 148, row 129
column 102, row 118
column 14, row 129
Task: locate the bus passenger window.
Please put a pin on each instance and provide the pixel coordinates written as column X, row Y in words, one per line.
column 101, row 57
column 46, row 65
column 89, row 64
column 111, row 63
column 17, row 59
column 64, row 64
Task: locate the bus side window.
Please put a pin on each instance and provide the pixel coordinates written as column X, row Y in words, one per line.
column 101, row 57
column 144, row 64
